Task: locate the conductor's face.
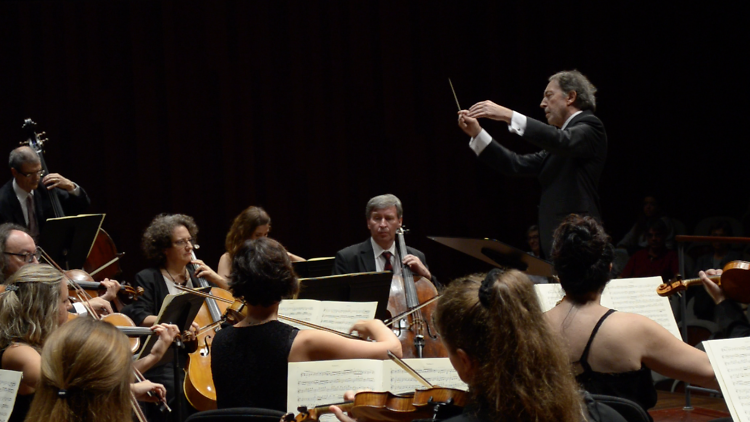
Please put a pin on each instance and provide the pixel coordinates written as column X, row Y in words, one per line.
column 383, row 224
column 555, row 104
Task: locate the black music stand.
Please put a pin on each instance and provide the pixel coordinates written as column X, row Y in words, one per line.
column 68, row 240
column 356, row 287
column 315, row 267
column 499, row 254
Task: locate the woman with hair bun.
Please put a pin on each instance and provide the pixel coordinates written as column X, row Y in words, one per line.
column 612, row 353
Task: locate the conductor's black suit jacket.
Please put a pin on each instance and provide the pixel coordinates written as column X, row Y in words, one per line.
column 568, row 168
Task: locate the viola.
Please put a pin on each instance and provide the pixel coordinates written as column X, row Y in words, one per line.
column 415, row 330
column 734, row 280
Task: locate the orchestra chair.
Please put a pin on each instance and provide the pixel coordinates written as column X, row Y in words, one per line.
column 237, row 414
column 630, row 410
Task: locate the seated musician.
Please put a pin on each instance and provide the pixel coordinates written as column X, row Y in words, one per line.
column 22, row 200
column 384, row 216
column 250, row 359
column 86, row 368
column 34, row 304
column 17, row 248
column 582, row 255
column 251, row 223
column 168, row 243
column 501, row 346
column 728, row 314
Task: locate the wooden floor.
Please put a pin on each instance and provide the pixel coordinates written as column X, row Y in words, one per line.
column 670, row 408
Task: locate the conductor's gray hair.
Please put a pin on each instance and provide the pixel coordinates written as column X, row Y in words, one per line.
column 573, row 80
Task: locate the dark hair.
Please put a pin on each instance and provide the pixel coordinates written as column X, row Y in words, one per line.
column 658, row 226
column 721, row 224
column 244, row 226
column 582, row 254
column 522, row 372
column 158, row 235
column 262, row 273
column 5, row 230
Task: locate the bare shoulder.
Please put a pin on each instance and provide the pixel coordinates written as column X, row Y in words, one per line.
column 18, row 357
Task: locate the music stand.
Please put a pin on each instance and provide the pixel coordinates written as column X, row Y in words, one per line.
column 315, row 267
column 178, row 309
column 499, row 254
column 356, row 287
column 68, row 240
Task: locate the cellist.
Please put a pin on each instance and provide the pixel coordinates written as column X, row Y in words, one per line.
column 168, row 243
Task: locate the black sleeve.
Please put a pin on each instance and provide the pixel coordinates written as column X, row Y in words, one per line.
column 147, row 304
column 731, row 319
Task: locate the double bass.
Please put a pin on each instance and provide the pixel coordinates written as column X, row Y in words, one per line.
column 102, row 260
column 415, row 331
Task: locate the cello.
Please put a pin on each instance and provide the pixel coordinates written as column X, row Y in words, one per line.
column 415, row 331
column 103, row 253
column 199, row 383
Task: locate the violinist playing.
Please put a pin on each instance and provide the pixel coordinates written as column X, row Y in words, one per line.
column 384, row 215
column 252, row 223
column 250, row 359
column 22, row 200
column 168, row 243
column 728, row 314
column 18, row 249
column 501, row 346
column 34, row 304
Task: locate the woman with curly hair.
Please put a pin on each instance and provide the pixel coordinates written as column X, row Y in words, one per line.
column 168, row 243
column 35, row 303
column 612, row 352
column 250, row 359
column 253, row 222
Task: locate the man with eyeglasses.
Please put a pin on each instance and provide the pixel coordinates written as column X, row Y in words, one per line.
column 17, row 249
column 26, row 202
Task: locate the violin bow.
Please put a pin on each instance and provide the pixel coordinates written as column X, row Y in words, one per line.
column 409, row 370
column 393, row 320
column 285, row 318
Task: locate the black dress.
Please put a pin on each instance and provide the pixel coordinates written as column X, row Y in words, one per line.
column 636, row 385
column 250, row 365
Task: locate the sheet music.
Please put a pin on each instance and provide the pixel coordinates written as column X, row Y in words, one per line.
column 730, row 359
column 438, row 371
column 10, row 381
column 549, row 295
column 638, row 296
column 339, row 316
column 318, row 383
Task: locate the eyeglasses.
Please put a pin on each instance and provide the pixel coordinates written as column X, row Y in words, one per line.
column 28, row 257
column 182, row 242
column 39, row 173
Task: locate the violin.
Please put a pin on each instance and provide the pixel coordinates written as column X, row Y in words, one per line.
column 415, row 330
column 84, row 280
column 734, row 280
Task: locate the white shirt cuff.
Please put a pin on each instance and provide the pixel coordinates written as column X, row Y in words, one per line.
column 80, row 309
column 517, row 124
column 479, row 143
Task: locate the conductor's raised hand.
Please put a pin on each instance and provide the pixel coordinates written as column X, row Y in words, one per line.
column 56, row 180
column 469, row 125
column 489, row 110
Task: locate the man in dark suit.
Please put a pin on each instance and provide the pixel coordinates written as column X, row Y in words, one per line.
column 574, row 147
column 26, row 202
column 384, row 215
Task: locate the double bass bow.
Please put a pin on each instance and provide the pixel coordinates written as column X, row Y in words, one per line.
column 415, row 330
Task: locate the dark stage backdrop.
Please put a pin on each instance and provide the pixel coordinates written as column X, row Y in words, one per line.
column 310, row 108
